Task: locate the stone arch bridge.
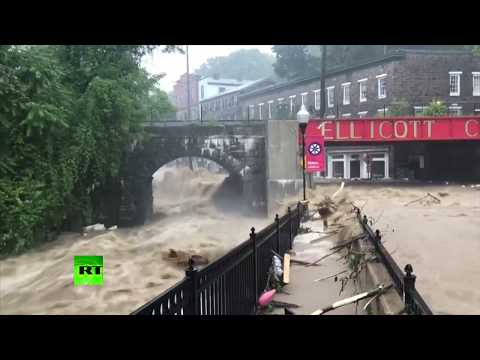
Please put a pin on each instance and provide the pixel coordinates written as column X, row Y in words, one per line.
column 239, row 147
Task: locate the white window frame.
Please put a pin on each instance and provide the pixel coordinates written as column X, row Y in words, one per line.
column 419, row 109
column 382, row 110
column 291, row 97
column 280, row 100
column 316, row 95
column 260, row 106
column 331, row 96
column 457, row 75
column 362, row 113
column 331, row 116
column 346, row 99
column 270, row 109
column 454, row 107
column 380, row 79
column 476, row 81
column 346, row 115
column 362, row 82
column 303, row 95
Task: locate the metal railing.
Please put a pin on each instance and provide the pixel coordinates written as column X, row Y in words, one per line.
column 230, row 285
column 404, row 282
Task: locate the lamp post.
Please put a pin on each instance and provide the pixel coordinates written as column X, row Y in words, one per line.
column 302, row 117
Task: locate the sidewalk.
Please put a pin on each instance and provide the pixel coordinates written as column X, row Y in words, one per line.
column 302, row 289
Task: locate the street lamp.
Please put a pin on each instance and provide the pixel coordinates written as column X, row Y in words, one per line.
column 302, row 117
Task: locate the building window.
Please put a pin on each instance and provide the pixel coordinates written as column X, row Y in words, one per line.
column 260, row 106
column 455, row 83
column 382, row 88
column 316, row 94
column 346, row 115
column 455, row 110
column 418, row 110
column 292, row 102
column 346, row 93
column 338, row 166
column 383, row 111
column 363, row 90
column 362, row 114
column 304, row 98
column 330, row 96
column 270, row 109
column 476, row 83
column 251, row 111
column 235, row 100
column 202, row 92
column 221, row 90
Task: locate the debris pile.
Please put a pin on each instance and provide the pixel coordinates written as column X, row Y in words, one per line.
column 181, row 258
column 426, row 200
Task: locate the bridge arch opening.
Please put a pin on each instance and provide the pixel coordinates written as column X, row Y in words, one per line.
column 193, row 185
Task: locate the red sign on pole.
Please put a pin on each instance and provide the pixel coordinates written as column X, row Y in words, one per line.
column 314, row 150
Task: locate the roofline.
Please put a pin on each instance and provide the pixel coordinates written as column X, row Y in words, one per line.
column 398, row 55
column 235, row 90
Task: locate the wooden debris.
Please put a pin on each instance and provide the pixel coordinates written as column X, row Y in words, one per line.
column 289, row 312
column 323, row 257
column 281, row 304
column 346, row 243
column 331, row 276
column 435, row 199
column 181, row 258
column 329, row 235
column 380, row 289
column 301, row 262
column 286, row 268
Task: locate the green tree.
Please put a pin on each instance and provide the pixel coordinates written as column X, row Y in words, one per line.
column 399, row 108
column 66, row 114
column 244, row 64
column 435, row 108
column 294, row 61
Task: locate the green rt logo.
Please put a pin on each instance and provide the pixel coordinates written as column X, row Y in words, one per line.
column 88, row 270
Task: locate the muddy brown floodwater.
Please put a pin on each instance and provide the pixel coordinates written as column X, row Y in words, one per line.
column 41, row 280
column 441, row 241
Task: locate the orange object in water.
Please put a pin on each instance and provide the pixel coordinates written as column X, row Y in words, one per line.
column 266, row 298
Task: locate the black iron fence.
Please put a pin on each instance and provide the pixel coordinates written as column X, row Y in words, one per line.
column 404, row 282
column 230, row 285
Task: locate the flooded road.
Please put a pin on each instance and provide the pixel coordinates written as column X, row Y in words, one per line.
column 187, row 217
column 440, row 240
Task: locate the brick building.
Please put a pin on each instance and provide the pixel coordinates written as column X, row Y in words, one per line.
column 225, row 105
column 181, row 97
column 367, row 90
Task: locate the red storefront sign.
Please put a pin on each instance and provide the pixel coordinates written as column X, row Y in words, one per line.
column 314, row 154
column 397, row 129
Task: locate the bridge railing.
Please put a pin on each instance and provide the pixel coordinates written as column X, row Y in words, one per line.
column 230, row 285
column 173, row 122
column 404, row 283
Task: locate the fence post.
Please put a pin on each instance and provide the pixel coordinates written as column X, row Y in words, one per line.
column 408, row 287
column 290, row 228
column 253, row 236
column 378, row 238
column 277, row 226
column 193, row 307
column 299, row 215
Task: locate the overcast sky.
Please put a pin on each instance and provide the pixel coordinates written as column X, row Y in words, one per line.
column 174, row 65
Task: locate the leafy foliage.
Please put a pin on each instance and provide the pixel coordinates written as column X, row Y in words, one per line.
column 296, row 61
column 245, row 64
column 435, row 108
column 399, row 108
column 66, row 114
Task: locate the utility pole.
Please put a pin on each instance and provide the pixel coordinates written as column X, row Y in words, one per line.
column 188, row 89
column 322, row 82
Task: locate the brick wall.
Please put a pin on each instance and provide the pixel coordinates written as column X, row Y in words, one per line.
column 421, row 78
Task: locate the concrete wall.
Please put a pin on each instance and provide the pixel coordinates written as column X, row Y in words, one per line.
column 283, row 175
